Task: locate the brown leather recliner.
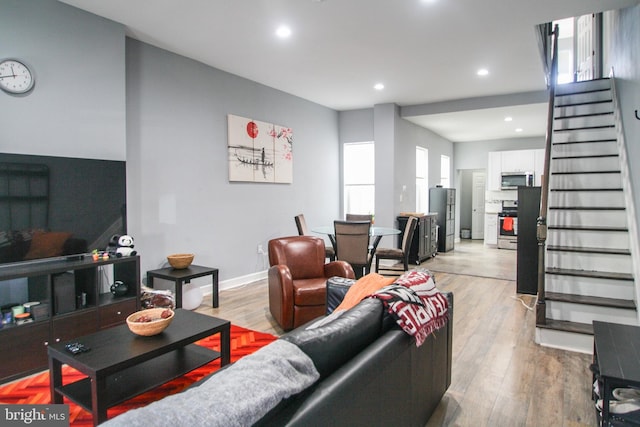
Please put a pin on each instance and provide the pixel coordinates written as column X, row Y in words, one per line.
column 297, row 279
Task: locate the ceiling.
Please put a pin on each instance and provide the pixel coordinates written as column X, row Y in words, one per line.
column 423, row 51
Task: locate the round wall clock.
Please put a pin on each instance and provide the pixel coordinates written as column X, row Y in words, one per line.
column 15, row 77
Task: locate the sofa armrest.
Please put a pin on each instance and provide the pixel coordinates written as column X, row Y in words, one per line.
column 337, row 288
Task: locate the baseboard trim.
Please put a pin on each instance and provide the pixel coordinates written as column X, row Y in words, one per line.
column 234, row 282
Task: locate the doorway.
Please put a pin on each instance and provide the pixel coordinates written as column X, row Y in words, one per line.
column 471, row 201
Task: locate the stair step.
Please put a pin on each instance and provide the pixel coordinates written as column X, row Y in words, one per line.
column 585, row 181
column 596, row 259
column 589, row 228
column 583, row 217
column 566, row 326
column 591, row 121
column 586, row 164
column 582, row 97
column 577, row 110
column 600, row 84
column 590, row 238
column 587, row 284
column 610, row 275
column 585, row 135
column 588, row 208
column 609, row 251
column 601, row 197
column 585, row 156
column 591, row 300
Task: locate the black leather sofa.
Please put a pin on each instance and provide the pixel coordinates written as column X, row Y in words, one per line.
column 371, row 374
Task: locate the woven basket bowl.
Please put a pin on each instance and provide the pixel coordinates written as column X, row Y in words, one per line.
column 154, row 327
column 180, row 261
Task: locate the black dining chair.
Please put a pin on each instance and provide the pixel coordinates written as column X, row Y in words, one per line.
column 402, row 253
column 303, row 230
column 352, row 244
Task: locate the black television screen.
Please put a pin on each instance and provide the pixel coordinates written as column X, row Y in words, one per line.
column 59, row 206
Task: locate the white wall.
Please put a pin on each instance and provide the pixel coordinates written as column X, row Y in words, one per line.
column 474, row 155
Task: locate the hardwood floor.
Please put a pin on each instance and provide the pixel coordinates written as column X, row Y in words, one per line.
column 500, row 376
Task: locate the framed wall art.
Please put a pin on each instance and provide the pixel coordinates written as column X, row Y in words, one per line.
column 259, row 151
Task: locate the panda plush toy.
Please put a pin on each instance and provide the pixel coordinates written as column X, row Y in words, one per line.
column 125, row 246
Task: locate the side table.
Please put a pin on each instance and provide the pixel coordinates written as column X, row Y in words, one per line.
column 182, row 276
column 617, row 360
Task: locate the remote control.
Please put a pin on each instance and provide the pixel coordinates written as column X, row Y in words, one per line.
column 76, row 347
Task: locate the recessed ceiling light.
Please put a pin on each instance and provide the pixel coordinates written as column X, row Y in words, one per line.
column 283, row 31
column 378, row 86
column 508, row 119
column 519, row 130
column 483, row 72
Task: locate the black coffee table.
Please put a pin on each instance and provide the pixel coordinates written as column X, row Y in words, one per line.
column 121, row 365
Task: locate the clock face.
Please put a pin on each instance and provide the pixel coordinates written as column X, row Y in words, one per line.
column 15, row 77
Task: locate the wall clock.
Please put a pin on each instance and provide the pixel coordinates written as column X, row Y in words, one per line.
column 15, row 77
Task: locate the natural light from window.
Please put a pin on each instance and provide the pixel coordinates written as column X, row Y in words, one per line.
column 359, row 177
column 422, row 180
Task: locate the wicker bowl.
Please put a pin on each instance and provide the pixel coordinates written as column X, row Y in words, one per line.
column 154, row 327
column 180, row 261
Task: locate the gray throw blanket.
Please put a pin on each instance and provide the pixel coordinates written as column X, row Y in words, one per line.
column 237, row 396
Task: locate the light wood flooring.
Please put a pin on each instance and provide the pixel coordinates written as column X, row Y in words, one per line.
column 500, row 376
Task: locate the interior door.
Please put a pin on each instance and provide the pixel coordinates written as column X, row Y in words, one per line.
column 477, row 204
column 585, row 47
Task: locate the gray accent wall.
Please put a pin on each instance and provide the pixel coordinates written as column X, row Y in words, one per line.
column 77, row 107
column 180, row 197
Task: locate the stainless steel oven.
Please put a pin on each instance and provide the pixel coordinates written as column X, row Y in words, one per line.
column 508, row 225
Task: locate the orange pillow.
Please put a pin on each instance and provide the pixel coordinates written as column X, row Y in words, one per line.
column 364, row 287
column 47, row 244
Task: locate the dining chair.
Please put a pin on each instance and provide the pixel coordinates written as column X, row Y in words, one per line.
column 402, row 253
column 352, row 244
column 303, row 230
column 359, row 217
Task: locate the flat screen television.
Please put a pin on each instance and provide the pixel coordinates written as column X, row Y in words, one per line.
column 58, row 206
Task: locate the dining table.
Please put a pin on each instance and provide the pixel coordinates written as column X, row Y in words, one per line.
column 376, row 232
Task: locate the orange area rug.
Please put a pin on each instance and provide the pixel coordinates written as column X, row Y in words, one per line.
column 35, row 389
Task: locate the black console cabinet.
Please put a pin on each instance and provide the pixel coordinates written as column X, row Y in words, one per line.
column 527, row 245
column 74, row 299
column 424, row 244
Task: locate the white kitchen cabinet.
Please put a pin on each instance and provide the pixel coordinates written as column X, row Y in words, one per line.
column 491, row 229
column 518, row 161
column 494, row 169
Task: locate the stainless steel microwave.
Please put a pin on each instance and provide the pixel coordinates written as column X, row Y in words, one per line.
column 513, row 180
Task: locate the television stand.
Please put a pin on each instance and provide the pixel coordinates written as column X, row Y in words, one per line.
column 70, row 298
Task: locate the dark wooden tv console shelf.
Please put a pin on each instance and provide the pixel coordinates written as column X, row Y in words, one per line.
column 74, row 299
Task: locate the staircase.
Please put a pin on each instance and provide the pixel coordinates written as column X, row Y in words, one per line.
column 589, row 264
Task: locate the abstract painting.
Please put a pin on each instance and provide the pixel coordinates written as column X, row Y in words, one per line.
column 259, row 151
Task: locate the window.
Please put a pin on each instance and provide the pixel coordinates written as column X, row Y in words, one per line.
column 422, row 180
column 359, row 178
column 445, row 171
